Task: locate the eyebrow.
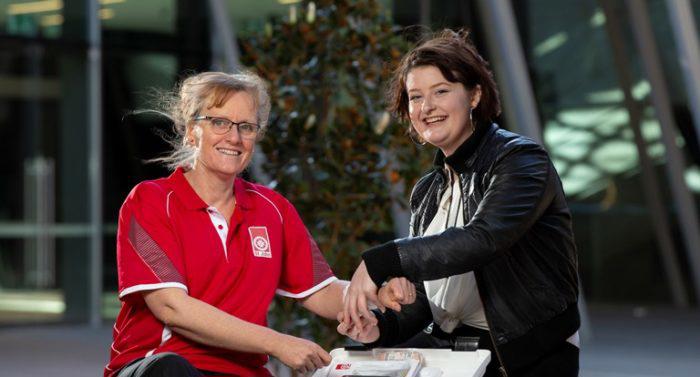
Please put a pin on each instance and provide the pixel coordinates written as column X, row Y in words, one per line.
column 432, row 86
column 223, row 117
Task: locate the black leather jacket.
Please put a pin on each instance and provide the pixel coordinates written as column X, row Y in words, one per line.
column 517, row 240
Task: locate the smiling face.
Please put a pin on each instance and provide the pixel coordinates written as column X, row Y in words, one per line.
column 439, row 109
column 228, row 154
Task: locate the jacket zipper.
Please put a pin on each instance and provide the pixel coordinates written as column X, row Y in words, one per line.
column 501, row 368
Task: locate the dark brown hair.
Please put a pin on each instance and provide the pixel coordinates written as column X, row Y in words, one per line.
column 453, row 53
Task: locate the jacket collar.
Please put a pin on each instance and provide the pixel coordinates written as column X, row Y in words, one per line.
column 460, row 159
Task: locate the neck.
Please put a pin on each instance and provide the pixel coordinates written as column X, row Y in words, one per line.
column 214, row 189
column 448, row 151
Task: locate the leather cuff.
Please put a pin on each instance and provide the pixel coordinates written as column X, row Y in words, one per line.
column 383, row 262
column 383, row 328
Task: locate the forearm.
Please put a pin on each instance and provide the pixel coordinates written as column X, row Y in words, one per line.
column 518, row 193
column 328, row 301
column 209, row 325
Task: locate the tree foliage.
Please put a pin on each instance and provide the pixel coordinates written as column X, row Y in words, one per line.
column 331, row 148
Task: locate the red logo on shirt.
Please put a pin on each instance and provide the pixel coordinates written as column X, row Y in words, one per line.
column 260, row 241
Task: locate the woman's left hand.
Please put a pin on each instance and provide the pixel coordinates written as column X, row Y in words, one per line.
column 361, row 291
column 397, row 292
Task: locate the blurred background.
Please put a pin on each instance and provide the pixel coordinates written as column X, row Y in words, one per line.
column 610, row 87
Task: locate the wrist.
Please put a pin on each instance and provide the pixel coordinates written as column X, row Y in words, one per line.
column 270, row 343
column 372, row 341
column 345, row 291
column 370, row 305
column 382, row 262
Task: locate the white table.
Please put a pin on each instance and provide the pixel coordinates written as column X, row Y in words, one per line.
column 452, row 363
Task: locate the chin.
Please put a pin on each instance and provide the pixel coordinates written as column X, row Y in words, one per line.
column 228, row 170
column 437, row 142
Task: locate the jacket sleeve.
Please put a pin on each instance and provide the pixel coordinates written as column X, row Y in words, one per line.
column 398, row 327
column 520, row 189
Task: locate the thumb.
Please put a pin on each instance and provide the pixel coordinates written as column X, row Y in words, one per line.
column 394, row 305
column 397, row 293
column 374, row 299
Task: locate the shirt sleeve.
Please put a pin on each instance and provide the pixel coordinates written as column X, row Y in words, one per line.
column 148, row 254
column 304, row 269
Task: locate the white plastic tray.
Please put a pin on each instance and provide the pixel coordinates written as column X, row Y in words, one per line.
column 452, row 363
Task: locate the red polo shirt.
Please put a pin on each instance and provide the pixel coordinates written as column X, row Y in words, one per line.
column 169, row 237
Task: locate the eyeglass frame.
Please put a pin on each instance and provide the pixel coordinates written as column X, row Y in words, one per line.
column 258, row 128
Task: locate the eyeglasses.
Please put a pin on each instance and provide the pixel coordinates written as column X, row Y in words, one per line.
column 222, row 126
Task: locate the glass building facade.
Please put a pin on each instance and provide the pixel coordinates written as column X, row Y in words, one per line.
column 70, row 72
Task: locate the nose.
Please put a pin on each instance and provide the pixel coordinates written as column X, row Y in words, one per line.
column 427, row 105
column 232, row 135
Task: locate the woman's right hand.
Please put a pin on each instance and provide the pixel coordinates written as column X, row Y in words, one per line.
column 397, row 292
column 302, row 355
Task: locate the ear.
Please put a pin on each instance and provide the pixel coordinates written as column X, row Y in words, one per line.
column 414, row 135
column 190, row 135
column 475, row 96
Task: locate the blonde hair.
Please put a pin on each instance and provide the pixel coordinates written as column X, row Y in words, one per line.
column 205, row 91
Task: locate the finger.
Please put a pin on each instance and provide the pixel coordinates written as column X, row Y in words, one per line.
column 364, row 335
column 310, row 363
column 364, row 311
column 388, row 300
column 396, row 289
column 360, row 310
column 346, row 304
column 406, row 290
column 385, row 297
column 410, row 290
column 365, row 329
column 375, row 300
column 405, row 285
column 316, row 359
column 352, row 333
column 326, row 358
column 354, row 315
column 348, row 308
column 342, row 329
column 394, row 305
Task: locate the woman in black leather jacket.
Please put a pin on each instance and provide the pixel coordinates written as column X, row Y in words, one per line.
column 491, row 249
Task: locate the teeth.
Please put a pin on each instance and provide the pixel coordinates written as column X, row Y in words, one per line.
column 435, row 119
column 229, row 152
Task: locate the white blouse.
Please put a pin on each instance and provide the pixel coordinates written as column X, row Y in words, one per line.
column 453, row 300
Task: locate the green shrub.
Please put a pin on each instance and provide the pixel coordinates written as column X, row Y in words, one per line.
column 330, row 148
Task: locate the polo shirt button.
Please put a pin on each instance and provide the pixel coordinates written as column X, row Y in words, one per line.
column 221, row 226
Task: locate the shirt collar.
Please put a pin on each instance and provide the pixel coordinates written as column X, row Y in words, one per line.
column 185, row 192
column 240, row 191
column 191, row 200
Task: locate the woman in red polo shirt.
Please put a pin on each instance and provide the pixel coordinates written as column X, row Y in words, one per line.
column 202, row 252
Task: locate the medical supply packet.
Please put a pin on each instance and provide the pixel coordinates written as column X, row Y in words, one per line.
column 374, row 368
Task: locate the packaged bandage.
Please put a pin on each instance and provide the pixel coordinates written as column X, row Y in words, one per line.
column 398, row 354
column 378, row 368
